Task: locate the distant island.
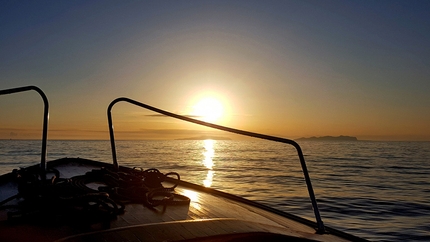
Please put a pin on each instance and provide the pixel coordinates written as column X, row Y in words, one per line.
column 329, row 138
column 204, row 137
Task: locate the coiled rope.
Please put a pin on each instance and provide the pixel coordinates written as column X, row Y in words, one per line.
column 99, row 195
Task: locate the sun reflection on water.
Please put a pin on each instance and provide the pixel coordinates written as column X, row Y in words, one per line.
column 208, row 181
column 208, row 161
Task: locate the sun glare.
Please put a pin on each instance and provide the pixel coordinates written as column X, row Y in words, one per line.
column 208, row 109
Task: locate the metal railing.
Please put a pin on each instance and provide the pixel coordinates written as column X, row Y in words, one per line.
column 319, row 221
column 45, row 121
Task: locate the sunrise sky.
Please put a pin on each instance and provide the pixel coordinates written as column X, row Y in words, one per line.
column 285, row 68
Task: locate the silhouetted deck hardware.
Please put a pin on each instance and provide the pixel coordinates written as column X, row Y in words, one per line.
column 45, row 121
column 319, row 221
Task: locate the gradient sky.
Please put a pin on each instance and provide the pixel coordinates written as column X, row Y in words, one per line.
column 285, row 68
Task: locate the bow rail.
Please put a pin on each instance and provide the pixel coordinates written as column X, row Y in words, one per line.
column 45, row 120
column 319, row 221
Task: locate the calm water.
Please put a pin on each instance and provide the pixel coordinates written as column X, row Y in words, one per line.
column 376, row 190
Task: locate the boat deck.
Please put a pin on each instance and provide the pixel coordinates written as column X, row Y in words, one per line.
column 210, row 216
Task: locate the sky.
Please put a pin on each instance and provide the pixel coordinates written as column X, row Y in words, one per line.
column 285, row 68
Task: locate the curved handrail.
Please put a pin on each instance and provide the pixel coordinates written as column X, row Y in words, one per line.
column 45, row 120
column 232, row 130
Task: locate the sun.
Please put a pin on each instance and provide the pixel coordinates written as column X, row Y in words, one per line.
column 208, row 109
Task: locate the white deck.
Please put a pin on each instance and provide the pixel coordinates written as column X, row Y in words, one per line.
column 207, row 215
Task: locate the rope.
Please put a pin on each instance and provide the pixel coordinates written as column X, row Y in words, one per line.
column 75, row 201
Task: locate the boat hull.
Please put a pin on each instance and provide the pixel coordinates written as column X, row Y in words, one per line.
column 211, row 215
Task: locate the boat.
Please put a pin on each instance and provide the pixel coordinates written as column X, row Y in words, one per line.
column 77, row 199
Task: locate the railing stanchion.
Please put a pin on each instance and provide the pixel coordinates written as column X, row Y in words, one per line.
column 45, row 121
column 319, row 221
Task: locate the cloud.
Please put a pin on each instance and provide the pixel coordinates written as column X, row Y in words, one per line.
column 164, row 116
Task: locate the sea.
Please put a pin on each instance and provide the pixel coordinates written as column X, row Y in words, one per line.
column 379, row 191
